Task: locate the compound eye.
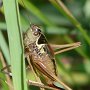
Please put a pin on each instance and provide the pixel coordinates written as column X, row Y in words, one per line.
column 37, row 32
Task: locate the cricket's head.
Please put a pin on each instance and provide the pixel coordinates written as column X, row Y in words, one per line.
column 34, row 34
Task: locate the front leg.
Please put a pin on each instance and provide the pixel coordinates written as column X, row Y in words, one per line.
column 64, row 48
column 6, row 72
column 8, row 80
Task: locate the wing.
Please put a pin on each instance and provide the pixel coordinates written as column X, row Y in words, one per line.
column 41, row 67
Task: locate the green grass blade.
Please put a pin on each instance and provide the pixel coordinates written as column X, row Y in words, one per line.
column 4, row 48
column 15, row 44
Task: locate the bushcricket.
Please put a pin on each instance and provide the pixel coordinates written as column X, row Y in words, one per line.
column 40, row 54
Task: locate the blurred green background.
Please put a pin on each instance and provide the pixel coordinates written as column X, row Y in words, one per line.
column 60, row 27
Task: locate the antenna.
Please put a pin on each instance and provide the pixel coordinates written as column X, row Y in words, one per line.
column 27, row 15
